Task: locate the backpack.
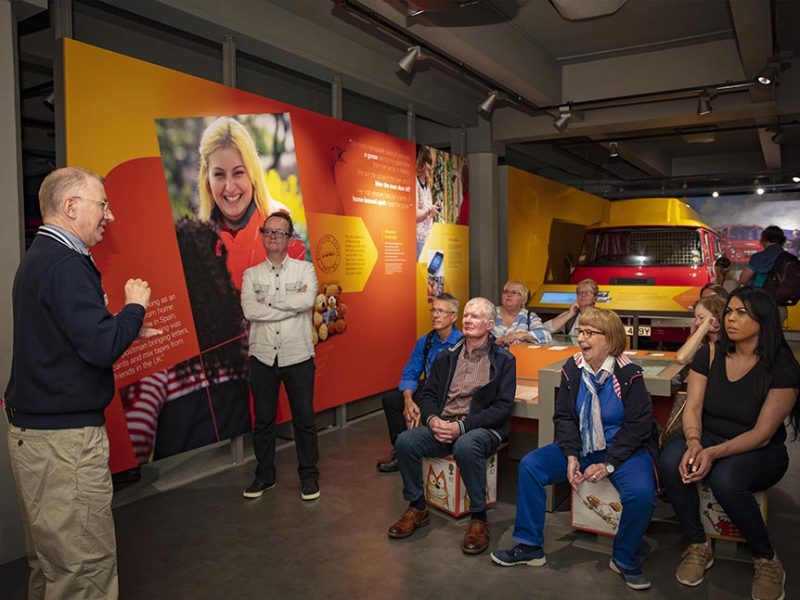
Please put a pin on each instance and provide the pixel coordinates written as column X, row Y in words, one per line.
column 783, row 280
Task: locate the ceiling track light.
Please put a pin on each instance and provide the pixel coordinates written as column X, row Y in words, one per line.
column 796, row 179
column 410, row 59
column 613, row 150
column 715, row 194
column 768, row 75
column 562, row 120
column 487, row 106
column 429, row 51
column 779, row 61
column 778, row 135
column 704, row 104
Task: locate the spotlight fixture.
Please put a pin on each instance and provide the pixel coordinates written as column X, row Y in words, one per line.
column 767, row 75
column 50, row 101
column 777, row 62
column 410, row 59
column 760, row 191
column 715, row 194
column 704, row 104
column 561, row 121
column 613, row 150
column 487, row 106
column 779, row 135
column 796, row 179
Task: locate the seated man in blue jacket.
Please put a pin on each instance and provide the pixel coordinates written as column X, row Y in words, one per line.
column 401, row 404
column 464, row 410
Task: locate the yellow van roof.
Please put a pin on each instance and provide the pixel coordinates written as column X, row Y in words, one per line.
column 640, row 212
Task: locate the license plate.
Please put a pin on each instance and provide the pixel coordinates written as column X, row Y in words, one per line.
column 644, row 331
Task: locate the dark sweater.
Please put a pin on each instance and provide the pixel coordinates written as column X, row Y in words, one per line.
column 65, row 340
column 638, row 428
column 491, row 405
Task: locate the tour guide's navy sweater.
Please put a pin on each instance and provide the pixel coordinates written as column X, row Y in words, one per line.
column 65, row 340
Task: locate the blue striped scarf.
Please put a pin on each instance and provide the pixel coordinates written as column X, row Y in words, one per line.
column 591, row 425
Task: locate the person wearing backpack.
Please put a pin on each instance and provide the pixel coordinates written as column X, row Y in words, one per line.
column 400, row 404
column 761, row 264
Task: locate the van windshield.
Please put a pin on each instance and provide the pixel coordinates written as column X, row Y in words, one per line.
column 743, row 234
column 652, row 246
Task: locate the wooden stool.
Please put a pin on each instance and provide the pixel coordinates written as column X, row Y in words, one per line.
column 445, row 490
column 596, row 508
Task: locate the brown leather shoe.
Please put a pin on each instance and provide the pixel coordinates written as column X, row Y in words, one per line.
column 476, row 540
column 411, row 520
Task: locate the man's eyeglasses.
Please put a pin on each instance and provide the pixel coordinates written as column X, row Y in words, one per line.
column 441, row 311
column 587, row 333
column 274, row 233
column 103, row 203
column 585, row 293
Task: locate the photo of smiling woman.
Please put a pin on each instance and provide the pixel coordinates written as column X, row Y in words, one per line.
column 224, row 175
column 234, row 196
column 232, row 171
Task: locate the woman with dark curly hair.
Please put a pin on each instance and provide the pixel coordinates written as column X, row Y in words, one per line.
column 739, row 397
column 204, row 399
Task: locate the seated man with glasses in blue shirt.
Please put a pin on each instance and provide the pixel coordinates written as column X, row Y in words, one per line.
column 515, row 324
column 400, row 405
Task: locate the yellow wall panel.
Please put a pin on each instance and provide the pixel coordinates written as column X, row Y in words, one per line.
column 546, row 220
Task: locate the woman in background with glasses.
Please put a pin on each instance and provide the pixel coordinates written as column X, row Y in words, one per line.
column 234, row 195
column 568, row 322
column 603, row 429
column 516, row 324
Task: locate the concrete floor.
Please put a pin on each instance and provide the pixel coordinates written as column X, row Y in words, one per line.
column 203, row 540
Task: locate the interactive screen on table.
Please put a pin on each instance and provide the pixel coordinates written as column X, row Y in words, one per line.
column 558, row 298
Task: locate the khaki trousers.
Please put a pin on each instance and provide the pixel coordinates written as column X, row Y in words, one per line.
column 64, row 488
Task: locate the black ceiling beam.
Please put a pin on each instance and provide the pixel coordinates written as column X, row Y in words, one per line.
column 404, row 36
column 36, row 91
column 33, row 24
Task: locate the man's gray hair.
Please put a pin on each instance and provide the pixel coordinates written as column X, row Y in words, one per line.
column 445, row 297
column 61, row 184
column 489, row 309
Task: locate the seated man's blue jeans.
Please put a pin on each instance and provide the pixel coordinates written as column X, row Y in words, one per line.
column 634, row 480
column 470, row 451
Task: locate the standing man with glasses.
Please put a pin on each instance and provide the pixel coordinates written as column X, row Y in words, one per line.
column 65, row 343
column 465, row 409
column 516, row 324
column 277, row 300
column 401, row 405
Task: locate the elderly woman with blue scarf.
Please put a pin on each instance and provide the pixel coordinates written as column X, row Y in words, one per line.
column 603, row 428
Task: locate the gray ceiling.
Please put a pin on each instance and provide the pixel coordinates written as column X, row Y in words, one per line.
column 644, row 52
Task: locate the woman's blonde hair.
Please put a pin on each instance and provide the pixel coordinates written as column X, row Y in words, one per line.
column 227, row 132
column 521, row 288
column 610, row 324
